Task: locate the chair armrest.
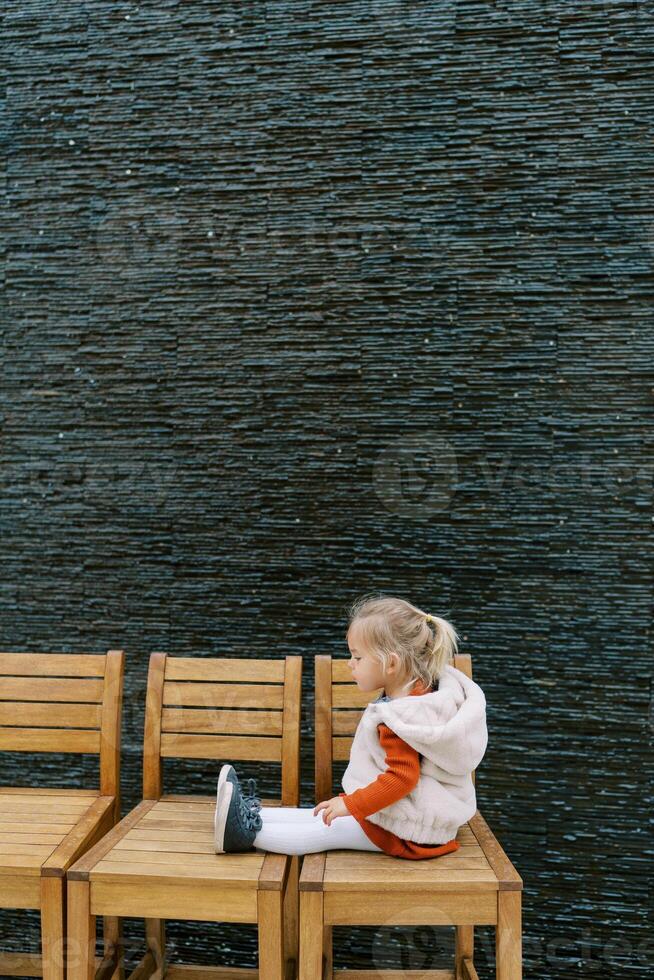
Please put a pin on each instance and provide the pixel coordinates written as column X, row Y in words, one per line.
column 312, row 872
column 508, row 878
column 81, row 869
column 274, row 872
column 92, row 825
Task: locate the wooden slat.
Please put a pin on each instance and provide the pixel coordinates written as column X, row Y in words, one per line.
column 35, row 850
column 232, row 873
column 24, row 864
column 50, row 689
column 215, row 866
column 191, row 798
column 168, row 821
column 216, row 721
column 20, row 965
column 223, row 695
column 341, row 748
column 17, row 838
column 49, row 740
column 349, row 696
column 392, row 975
column 225, row 669
column 341, row 670
column 158, row 837
column 221, row 747
column 180, row 845
column 38, row 824
column 32, row 793
column 112, row 701
column 449, row 879
column 345, row 722
column 204, row 805
column 189, row 971
column 323, row 727
column 290, row 755
column 152, row 769
column 467, row 858
column 372, row 907
column 37, row 713
column 52, row 664
column 207, row 901
column 183, row 807
column 15, row 807
column 21, row 891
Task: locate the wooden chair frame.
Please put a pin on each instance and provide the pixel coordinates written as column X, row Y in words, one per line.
column 475, row 885
column 159, row 861
column 43, row 831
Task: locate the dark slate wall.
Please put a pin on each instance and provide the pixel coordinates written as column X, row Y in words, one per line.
column 303, row 300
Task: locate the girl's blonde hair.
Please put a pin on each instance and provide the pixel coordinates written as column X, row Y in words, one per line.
column 423, row 642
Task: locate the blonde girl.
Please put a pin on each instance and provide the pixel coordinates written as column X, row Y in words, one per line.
column 408, row 784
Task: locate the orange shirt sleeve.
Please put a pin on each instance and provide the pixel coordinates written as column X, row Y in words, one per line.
column 401, row 776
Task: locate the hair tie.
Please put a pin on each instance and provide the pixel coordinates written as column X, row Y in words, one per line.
column 429, row 618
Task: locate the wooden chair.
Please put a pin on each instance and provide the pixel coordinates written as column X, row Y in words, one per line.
column 55, row 703
column 475, row 885
column 159, row 862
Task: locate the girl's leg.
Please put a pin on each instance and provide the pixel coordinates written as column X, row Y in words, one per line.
column 286, row 813
column 309, row 834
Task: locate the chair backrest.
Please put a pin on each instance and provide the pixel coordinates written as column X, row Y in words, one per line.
column 339, row 705
column 223, row 708
column 64, row 702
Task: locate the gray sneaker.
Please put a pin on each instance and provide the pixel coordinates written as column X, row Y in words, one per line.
column 237, row 820
column 227, row 773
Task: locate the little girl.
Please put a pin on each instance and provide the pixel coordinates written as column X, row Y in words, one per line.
column 408, row 785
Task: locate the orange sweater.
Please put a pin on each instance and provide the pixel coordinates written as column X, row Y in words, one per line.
column 401, row 776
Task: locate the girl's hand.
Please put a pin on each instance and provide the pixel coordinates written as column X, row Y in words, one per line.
column 333, row 808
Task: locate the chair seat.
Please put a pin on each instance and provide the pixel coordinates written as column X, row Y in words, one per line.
column 365, row 870
column 34, row 822
column 174, row 840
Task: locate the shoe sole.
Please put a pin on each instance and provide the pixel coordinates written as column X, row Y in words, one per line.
column 223, row 800
column 222, row 778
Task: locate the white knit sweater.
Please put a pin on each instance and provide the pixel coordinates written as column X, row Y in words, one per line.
column 448, row 728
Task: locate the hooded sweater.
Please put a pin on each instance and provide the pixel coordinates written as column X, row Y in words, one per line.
column 447, row 728
column 401, row 776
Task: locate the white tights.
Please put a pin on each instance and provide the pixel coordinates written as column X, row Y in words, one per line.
column 295, row 830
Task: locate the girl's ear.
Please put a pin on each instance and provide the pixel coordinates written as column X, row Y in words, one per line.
column 394, row 662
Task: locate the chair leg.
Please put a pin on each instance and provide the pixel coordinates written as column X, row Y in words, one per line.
column 508, row 936
column 292, row 911
column 113, row 939
column 53, row 928
column 81, row 932
column 328, row 953
column 311, row 936
column 464, row 946
column 155, row 937
column 270, row 914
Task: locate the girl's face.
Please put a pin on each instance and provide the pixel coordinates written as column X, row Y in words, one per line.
column 366, row 670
